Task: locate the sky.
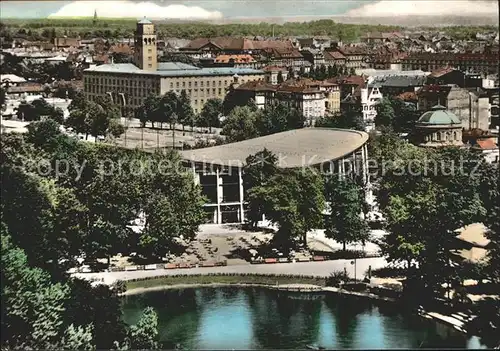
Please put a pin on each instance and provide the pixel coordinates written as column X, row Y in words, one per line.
column 217, row 9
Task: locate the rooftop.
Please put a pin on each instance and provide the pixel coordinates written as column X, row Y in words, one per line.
column 294, row 148
column 399, row 81
column 438, row 115
column 172, row 69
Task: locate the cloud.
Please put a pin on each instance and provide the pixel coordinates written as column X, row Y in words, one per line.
column 389, row 8
column 120, row 9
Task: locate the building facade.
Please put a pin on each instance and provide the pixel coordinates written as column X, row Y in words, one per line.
column 438, row 127
column 129, row 84
column 218, row 170
column 475, row 62
column 370, row 97
column 470, row 107
column 312, row 98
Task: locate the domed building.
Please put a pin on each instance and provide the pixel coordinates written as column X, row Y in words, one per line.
column 438, row 127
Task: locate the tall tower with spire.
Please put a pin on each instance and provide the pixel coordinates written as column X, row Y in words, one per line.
column 94, row 21
column 145, row 46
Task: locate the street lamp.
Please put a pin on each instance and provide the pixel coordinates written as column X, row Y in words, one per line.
column 354, row 263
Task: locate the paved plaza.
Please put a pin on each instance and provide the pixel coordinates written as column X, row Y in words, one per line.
column 318, row 269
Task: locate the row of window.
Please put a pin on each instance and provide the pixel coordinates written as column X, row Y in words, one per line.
column 195, row 84
column 130, row 81
column 443, row 136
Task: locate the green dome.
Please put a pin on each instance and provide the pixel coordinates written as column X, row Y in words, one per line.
column 439, row 115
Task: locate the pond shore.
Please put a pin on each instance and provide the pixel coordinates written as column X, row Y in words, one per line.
column 265, row 281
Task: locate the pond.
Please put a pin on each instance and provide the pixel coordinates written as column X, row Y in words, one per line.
column 254, row 318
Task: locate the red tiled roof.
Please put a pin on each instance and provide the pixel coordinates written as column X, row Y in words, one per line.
column 349, row 80
column 487, row 144
column 235, row 58
column 352, row 50
column 256, row 85
column 273, row 68
column 121, row 48
column 408, row 96
column 101, row 58
column 230, row 43
column 333, row 55
column 441, row 72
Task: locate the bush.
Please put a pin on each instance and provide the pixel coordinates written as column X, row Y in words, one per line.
column 336, row 278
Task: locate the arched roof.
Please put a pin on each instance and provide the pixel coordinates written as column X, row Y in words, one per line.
column 438, row 115
column 294, row 148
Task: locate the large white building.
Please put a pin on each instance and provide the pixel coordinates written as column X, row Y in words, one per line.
column 218, row 169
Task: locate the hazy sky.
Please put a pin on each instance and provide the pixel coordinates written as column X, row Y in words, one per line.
column 212, row 9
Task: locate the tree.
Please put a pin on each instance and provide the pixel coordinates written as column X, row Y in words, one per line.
column 78, row 103
column 94, row 117
column 240, row 124
column 344, row 223
column 26, row 112
column 43, row 132
column 294, row 201
column 352, row 71
column 168, row 107
column 490, row 196
column 2, row 97
column 33, row 306
column 351, row 119
column 144, row 335
column 423, row 207
column 209, row 116
column 278, row 118
column 172, row 206
column 115, row 128
column 185, row 111
column 258, row 170
column 99, row 306
column 405, row 115
column 150, row 111
column 385, row 114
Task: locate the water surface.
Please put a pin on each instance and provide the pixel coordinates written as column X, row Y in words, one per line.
column 254, row 318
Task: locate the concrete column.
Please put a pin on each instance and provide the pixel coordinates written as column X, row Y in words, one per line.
column 366, row 164
column 196, row 176
column 219, row 196
column 354, row 164
column 342, row 174
column 242, row 199
column 339, row 168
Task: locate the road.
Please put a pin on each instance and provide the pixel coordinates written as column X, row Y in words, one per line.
column 319, row 269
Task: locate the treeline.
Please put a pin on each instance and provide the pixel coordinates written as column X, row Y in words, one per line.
column 38, row 109
column 43, row 73
column 117, row 28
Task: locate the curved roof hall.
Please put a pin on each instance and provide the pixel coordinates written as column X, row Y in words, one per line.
column 293, row 148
